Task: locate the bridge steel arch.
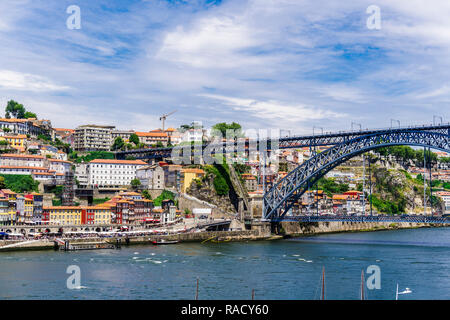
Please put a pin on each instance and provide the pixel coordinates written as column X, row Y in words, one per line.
column 280, row 198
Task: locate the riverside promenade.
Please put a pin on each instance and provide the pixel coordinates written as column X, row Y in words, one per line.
column 49, row 244
column 260, row 232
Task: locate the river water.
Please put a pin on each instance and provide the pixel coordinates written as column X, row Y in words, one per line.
column 286, row 269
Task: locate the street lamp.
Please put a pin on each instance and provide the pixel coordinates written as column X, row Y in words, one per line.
column 437, row 117
column 393, row 120
column 357, row 124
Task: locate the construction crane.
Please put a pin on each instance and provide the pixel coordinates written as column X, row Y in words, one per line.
column 163, row 118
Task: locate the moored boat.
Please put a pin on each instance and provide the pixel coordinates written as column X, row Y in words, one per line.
column 163, row 241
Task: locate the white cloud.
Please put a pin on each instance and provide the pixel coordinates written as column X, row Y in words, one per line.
column 271, row 109
column 211, row 42
column 444, row 90
column 341, row 92
column 25, row 81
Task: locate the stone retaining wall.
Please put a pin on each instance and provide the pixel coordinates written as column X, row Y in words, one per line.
column 308, row 228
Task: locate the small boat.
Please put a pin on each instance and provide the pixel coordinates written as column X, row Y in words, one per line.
column 406, row 291
column 220, row 240
column 163, row 241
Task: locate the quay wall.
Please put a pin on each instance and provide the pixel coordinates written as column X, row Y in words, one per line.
column 182, row 237
column 287, row 229
column 308, row 228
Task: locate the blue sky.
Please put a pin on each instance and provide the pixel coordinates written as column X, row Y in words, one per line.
column 288, row 64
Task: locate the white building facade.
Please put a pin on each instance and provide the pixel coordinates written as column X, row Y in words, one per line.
column 113, row 173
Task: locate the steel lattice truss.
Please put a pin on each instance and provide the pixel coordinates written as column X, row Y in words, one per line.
column 282, row 196
column 409, row 219
column 341, row 137
column 328, row 139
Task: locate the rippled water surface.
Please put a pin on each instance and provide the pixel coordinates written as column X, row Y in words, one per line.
column 288, row 269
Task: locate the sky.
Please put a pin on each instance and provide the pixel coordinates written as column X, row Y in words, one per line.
column 298, row 65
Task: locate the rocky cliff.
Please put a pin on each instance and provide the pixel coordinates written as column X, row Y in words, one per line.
column 395, row 191
column 204, row 190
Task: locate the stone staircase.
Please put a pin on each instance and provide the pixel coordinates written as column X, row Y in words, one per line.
column 244, row 206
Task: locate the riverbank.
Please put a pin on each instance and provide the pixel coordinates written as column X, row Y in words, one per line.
column 225, row 236
column 297, row 229
column 287, row 230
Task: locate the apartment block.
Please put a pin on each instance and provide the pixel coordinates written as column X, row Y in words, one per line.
column 152, row 138
column 151, row 177
column 113, row 173
column 124, row 134
column 93, row 138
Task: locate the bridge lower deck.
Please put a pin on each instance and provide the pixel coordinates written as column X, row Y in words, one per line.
column 393, row 219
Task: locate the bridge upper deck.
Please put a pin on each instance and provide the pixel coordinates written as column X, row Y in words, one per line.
column 323, row 139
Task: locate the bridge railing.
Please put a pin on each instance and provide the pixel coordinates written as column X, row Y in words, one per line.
column 409, row 219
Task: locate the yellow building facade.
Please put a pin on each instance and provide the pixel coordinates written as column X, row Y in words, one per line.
column 188, row 175
column 63, row 215
column 17, row 142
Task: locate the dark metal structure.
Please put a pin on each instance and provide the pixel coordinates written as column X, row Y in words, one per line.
column 316, row 140
column 345, row 145
column 383, row 218
column 280, row 198
column 67, row 197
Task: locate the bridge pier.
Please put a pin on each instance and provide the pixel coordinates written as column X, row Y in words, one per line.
column 263, row 228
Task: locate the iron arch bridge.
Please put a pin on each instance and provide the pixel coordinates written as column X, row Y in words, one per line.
column 324, row 139
column 280, row 198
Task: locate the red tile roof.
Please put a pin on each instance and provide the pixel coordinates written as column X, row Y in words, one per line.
column 16, row 155
column 109, row 161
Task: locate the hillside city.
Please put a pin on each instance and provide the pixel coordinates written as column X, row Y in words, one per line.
column 70, row 177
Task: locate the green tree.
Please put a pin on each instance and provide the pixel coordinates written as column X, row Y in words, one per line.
column 165, row 195
column 6, row 130
column 15, row 109
column 330, row 186
column 128, row 146
column 135, row 183
column 220, row 129
column 29, row 115
column 220, row 178
column 134, row 138
column 118, row 144
column 20, row 183
column 185, row 127
column 2, row 182
column 146, row 194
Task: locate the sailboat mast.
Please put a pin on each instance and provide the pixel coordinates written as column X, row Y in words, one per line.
column 323, row 283
column 362, row 285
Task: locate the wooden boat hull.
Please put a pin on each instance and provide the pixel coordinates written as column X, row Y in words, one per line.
column 158, row 243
